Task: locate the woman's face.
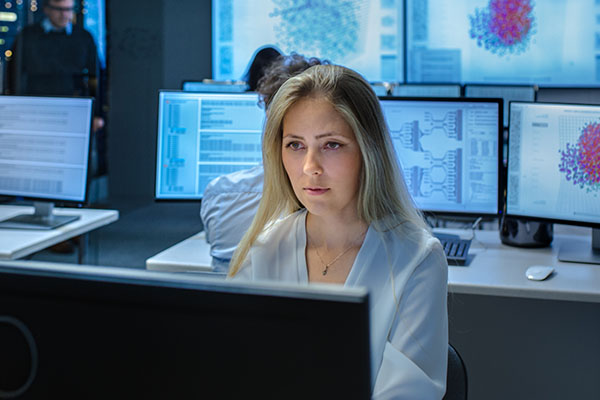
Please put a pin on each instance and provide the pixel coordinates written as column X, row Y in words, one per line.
column 322, row 158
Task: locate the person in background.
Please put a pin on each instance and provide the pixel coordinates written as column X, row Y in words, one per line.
column 54, row 57
column 230, row 201
column 262, row 59
column 335, row 209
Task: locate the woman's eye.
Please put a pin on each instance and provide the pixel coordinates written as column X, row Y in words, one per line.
column 333, row 145
column 294, row 145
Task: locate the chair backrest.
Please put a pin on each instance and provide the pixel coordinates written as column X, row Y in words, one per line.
column 456, row 380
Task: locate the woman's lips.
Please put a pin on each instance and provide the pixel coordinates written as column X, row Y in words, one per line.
column 315, row 190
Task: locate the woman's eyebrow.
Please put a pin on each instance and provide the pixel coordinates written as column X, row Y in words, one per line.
column 322, row 135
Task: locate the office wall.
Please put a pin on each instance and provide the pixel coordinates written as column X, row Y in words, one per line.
column 151, row 45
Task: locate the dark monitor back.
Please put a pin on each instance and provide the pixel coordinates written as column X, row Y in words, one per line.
column 98, row 333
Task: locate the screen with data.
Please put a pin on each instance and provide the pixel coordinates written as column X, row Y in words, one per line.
column 506, row 93
column 202, row 136
column 449, row 151
column 214, row 87
column 416, row 90
column 364, row 35
column 554, row 162
column 548, row 43
column 45, row 147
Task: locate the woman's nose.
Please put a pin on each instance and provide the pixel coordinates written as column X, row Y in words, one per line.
column 312, row 163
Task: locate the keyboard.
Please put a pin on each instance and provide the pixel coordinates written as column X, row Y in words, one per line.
column 456, row 249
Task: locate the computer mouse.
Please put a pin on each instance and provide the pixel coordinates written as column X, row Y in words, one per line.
column 539, row 272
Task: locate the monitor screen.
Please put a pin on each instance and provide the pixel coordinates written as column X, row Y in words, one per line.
column 97, row 333
column 202, row 136
column 553, row 162
column 507, row 93
column 379, row 88
column 95, row 23
column 449, row 150
column 45, row 147
column 214, row 87
column 431, row 90
column 545, row 43
column 367, row 36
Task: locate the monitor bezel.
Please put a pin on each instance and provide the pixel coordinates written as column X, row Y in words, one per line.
column 60, row 202
column 500, row 195
column 537, row 218
column 156, row 133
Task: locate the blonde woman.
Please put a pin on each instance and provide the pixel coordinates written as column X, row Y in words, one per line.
column 335, row 209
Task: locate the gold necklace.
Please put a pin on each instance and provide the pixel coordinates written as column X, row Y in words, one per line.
column 330, row 263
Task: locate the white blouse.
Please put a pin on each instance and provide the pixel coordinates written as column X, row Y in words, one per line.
column 409, row 340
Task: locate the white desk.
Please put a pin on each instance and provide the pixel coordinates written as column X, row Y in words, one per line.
column 18, row 243
column 496, row 269
column 493, row 268
column 192, row 254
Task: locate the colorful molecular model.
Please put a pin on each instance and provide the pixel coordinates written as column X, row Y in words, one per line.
column 581, row 162
column 504, row 26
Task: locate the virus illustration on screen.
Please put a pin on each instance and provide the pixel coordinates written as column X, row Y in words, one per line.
column 323, row 28
column 504, row 26
column 580, row 162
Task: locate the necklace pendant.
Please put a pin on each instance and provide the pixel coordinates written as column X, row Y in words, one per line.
column 325, row 270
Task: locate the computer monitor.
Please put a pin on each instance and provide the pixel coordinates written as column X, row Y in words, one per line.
column 544, row 43
column 44, row 155
column 202, row 136
column 426, row 90
column 450, row 152
column 505, row 92
column 211, row 86
column 380, row 88
column 367, row 36
column 553, row 169
column 99, row 333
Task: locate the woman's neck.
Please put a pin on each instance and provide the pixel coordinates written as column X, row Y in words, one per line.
column 335, row 232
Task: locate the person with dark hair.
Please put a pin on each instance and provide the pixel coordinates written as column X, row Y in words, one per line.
column 53, row 57
column 280, row 71
column 260, row 62
column 335, row 209
column 230, row 201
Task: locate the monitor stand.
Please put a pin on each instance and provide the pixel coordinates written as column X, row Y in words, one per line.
column 581, row 252
column 42, row 219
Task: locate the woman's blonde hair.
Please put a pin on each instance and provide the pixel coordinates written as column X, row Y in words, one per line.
column 383, row 198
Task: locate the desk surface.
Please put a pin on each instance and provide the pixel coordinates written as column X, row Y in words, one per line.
column 191, row 254
column 497, row 269
column 492, row 268
column 18, row 243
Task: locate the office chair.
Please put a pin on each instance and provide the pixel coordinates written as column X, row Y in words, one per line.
column 456, row 380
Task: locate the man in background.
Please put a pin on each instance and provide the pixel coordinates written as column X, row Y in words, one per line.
column 54, row 57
